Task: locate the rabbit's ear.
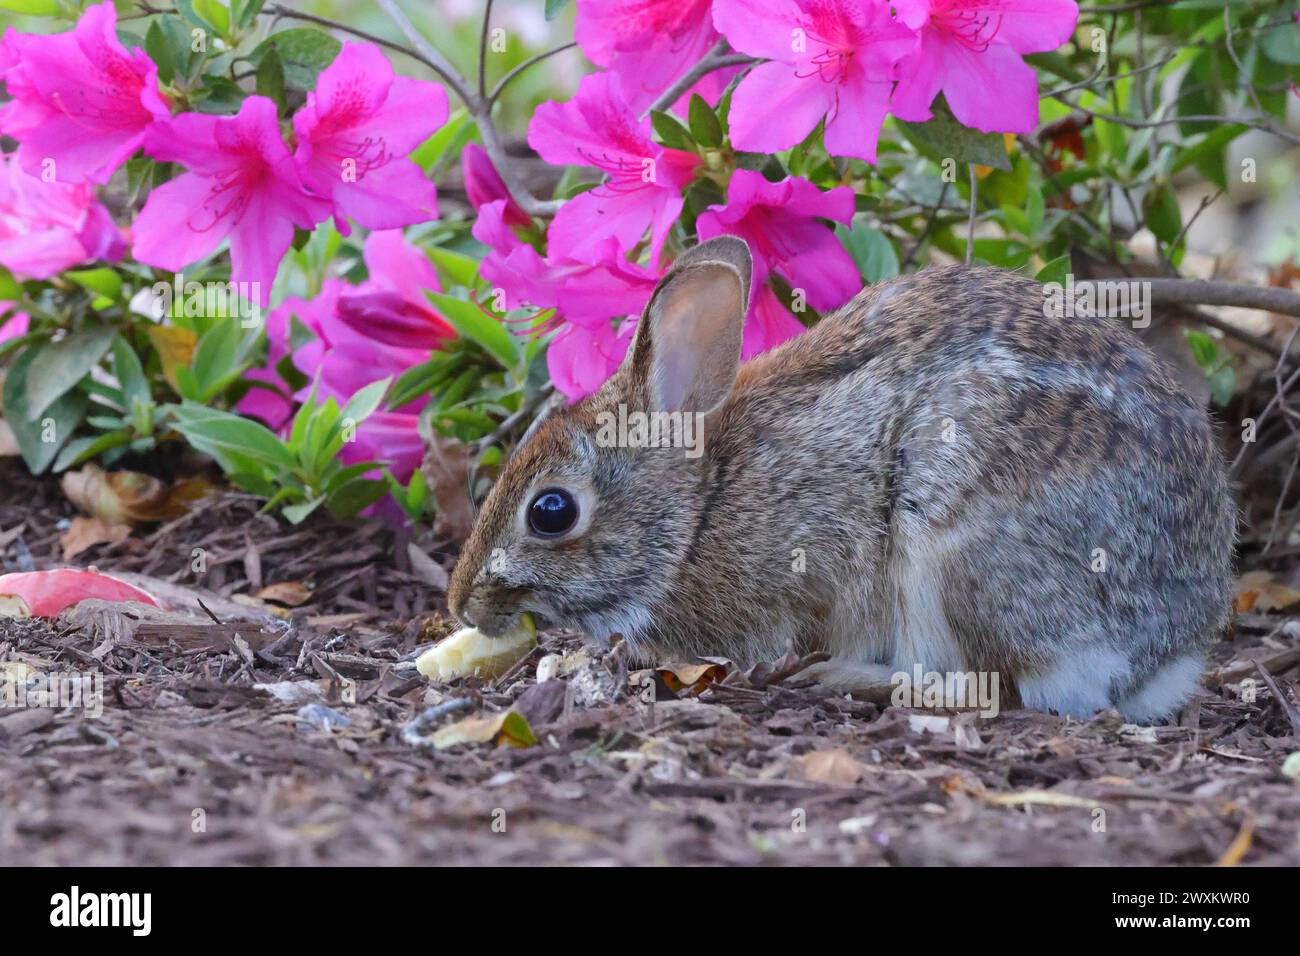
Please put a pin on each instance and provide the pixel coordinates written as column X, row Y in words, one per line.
column 687, row 347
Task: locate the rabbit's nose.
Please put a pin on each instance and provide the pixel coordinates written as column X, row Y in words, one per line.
column 468, row 614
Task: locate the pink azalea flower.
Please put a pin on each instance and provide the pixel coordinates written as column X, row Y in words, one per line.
column 389, row 437
column 15, row 326
column 79, row 98
column 241, row 183
column 588, row 300
column 513, row 266
column 648, row 44
column 390, row 307
column 643, row 187
column 270, row 403
column 970, row 50
column 48, row 227
column 483, row 184
column 829, row 58
column 780, row 223
column 581, row 357
column 355, row 132
column 353, row 347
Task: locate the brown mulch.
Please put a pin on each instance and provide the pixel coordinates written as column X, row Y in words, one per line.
column 329, row 760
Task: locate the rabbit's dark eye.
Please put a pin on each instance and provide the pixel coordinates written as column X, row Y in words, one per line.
column 552, row 512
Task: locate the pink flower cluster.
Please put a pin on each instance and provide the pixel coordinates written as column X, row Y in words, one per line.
column 842, row 63
column 362, row 334
column 82, row 105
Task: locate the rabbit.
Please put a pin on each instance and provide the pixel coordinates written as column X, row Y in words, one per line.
column 941, row 474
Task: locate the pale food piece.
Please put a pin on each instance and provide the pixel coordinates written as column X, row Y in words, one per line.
column 469, row 651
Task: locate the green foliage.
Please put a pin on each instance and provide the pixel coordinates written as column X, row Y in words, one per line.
column 298, row 474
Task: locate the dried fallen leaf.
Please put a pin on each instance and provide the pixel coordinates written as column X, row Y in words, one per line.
column 507, row 727
column 1291, row 766
column 446, row 470
column 1044, row 798
column 128, row 497
column 85, row 533
column 693, row 678
column 426, row 569
column 1257, row 591
column 831, row 766
column 289, row 593
column 175, row 348
column 46, row 593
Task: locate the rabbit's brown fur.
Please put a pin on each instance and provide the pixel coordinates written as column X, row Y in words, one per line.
column 929, row 476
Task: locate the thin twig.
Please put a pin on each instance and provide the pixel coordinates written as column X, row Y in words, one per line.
column 531, row 61
column 1110, row 79
column 1171, row 291
column 1241, row 71
column 427, row 53
column 716, row 59
column 480, row 108
column 510, row 424
column 1285, row 704
column 482, row 50
column 1261, row 125
column 929, row 225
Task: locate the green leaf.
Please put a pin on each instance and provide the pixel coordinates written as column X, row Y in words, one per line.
column 297, row 514
column 1223, row 385
column 1163, row 218
column 364, row 401
column 57, row 366
column 160, row 51
column 1282, row 44
column 303, row 51
column 1209, row 154
column 670, row 131
column 871, row 250
column 418, row 380
column 10, row 290
column 471, row 322
column 460, row 269
column 354, row 496
column 944, row 138
column 219, row 96
column 270, row 78
column 129, row 374
column 1054, row 271
column 220, row 432
column 704, row 122
column 214, row 14
column 1204, row 349
column 215, row 357
column 553, row 8
column 33, row 8
column 40, row 436
column 106, row 282
column 246, row 11
column 88, row 447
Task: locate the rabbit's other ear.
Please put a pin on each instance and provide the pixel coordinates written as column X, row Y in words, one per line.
column 687, row 347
